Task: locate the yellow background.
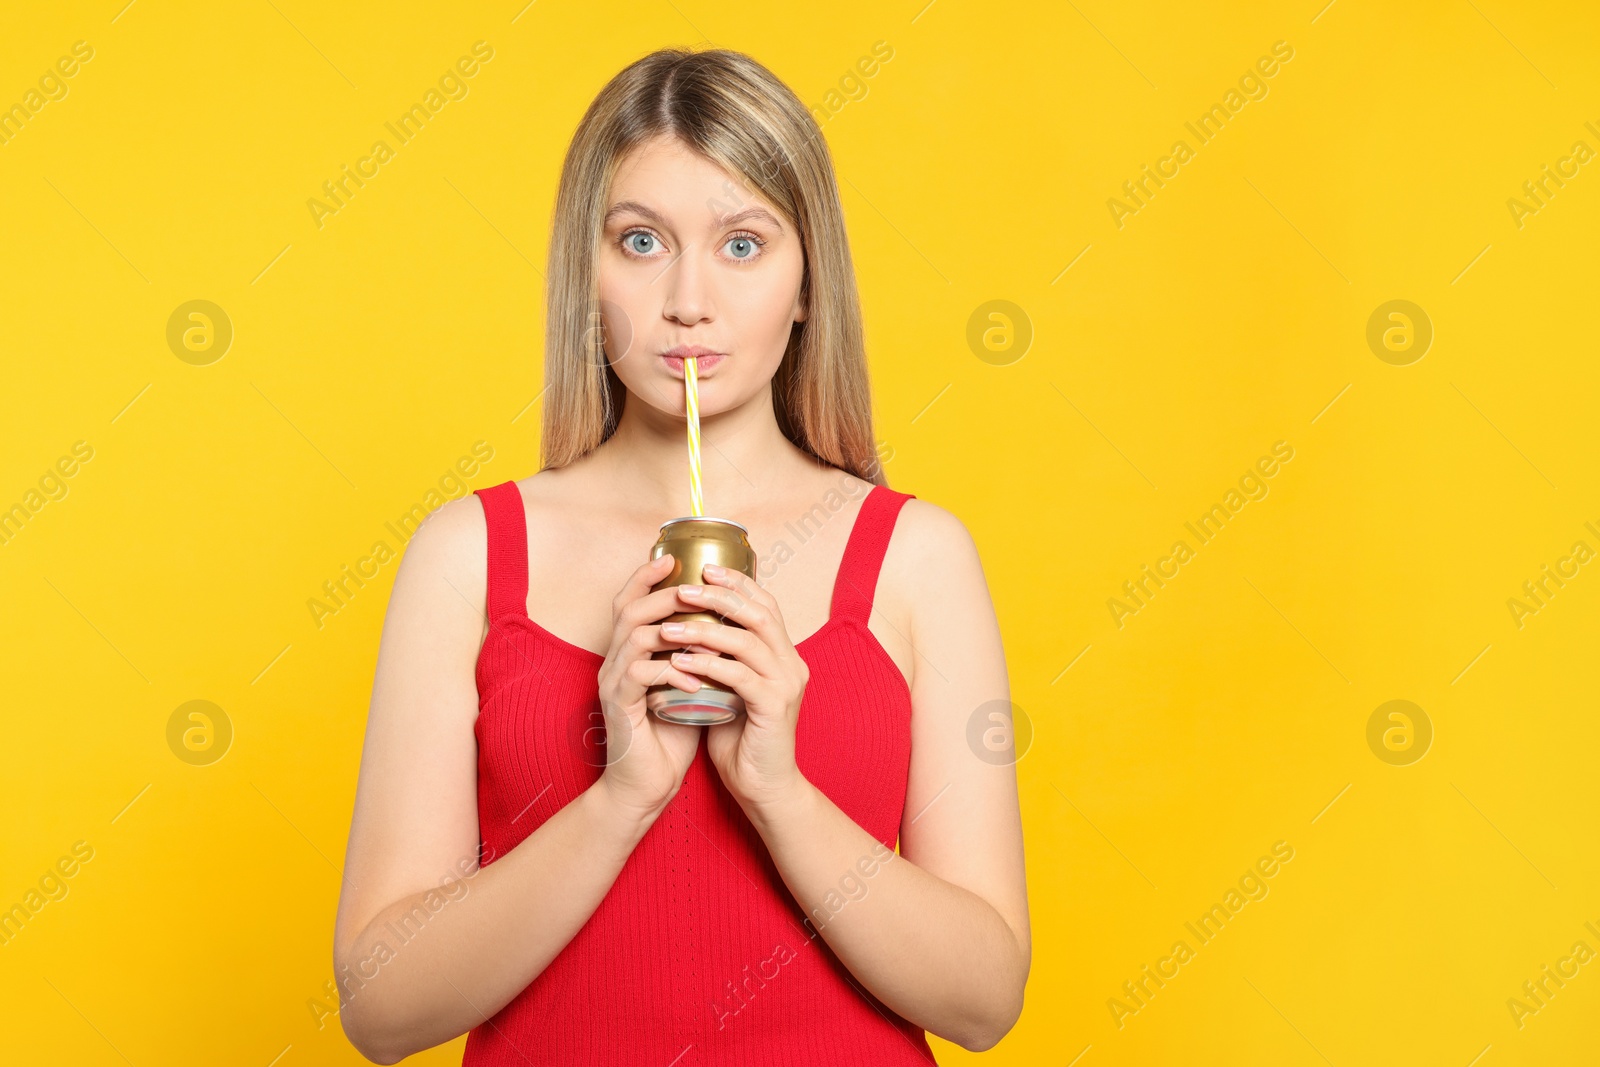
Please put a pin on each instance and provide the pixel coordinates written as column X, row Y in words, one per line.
column 1228, row 313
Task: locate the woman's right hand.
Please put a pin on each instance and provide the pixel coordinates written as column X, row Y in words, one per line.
column 646, row 759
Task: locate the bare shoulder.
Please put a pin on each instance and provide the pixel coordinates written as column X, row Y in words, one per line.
column 930, row 541
column 442, row 583
column 452, row 541
column 933, row 575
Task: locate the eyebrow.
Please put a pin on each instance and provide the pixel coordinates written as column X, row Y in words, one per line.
column 623, row 207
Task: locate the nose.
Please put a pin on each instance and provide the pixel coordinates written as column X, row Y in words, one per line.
column 686, row 298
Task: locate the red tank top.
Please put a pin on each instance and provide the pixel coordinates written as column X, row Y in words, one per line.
column 698, row 954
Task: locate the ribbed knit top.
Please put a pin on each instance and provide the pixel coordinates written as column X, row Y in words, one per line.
column 698, row 954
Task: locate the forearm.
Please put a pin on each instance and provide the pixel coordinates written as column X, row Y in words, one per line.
column 937, row 954
column 497, row 929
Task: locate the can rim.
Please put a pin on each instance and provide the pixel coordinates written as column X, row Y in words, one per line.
column 703, row 518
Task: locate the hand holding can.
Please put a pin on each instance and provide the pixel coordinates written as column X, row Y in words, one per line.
column 693, row 542
column 644, row 762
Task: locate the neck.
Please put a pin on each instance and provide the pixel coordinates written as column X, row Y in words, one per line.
column 744, row 458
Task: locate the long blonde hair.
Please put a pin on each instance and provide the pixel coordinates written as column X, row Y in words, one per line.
column 736, row 113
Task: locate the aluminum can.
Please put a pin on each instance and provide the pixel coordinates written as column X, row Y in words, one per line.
column 693, row 542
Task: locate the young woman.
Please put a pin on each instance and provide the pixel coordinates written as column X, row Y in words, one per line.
column 538, row 860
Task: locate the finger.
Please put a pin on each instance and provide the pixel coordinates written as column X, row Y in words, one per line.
column 640, row 582
column 649, row 672
column 740, row 583
column 748, row 588
column 729, row 672
column 638, row 645
column 633, row 665
column 699, row 635
column 648, row 574
column 756, row 617
column 646, row 610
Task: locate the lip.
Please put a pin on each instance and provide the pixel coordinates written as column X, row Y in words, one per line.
column 705, row 359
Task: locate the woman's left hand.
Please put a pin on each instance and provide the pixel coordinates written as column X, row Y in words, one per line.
column 754, row 753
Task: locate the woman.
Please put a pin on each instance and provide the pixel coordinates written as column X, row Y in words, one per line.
column 535, row 859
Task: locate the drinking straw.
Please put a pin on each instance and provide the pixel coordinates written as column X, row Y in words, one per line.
column 691, row 402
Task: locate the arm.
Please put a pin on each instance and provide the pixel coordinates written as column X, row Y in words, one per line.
column 412, row 860
column 960, row 869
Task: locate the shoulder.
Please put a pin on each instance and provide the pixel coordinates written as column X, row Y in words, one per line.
column 929, row 536
column 448, row 551
column 932, row 564
column 935, row 590
column 460, row 527
column 451, row 529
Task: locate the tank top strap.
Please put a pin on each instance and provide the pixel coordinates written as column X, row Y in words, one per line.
column 508, row 549
column 857, row 580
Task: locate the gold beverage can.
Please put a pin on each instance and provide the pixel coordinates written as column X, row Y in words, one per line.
column 693, row 542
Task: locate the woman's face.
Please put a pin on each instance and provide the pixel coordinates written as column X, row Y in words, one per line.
column 691, row 256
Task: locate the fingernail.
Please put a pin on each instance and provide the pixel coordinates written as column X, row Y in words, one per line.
column 690, row 590
column 712, row 569
column 672, row 629
column 682, row 657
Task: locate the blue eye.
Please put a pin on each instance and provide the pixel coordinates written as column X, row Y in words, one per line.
column 744, row 247
column 741, row 247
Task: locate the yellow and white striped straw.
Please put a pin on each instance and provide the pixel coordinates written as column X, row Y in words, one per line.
column 691, row 402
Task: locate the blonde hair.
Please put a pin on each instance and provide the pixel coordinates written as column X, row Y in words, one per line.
column 736, row 113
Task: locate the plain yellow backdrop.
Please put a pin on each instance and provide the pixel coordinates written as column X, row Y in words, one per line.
column 1144, row 359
